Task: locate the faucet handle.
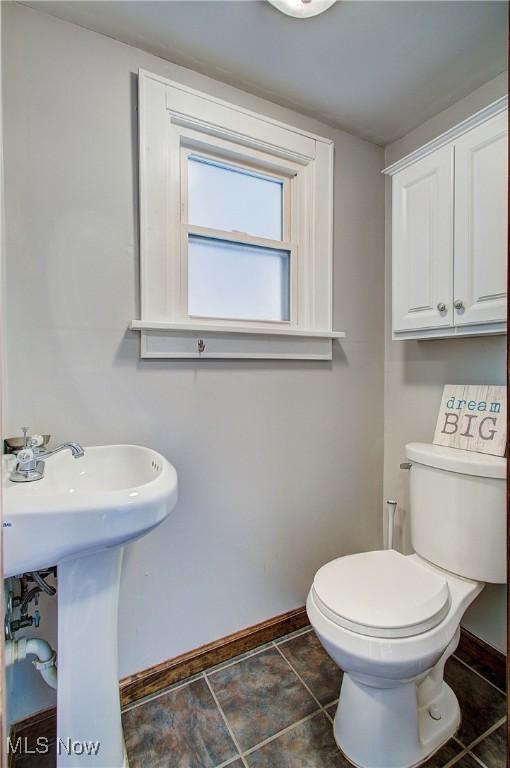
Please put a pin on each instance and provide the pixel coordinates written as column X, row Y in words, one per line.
column 31, row 441
column 26, row 454
column 25, row 438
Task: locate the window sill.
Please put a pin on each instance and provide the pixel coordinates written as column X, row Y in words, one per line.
column 260, row 330
column 209, row 341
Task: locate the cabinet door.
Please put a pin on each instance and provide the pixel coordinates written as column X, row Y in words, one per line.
column 422, row 247
column 480, row 243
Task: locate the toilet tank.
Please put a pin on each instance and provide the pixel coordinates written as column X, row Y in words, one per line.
column 458, row 510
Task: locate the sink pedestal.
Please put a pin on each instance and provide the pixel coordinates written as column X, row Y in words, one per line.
column 88, row 702
column 79, row 516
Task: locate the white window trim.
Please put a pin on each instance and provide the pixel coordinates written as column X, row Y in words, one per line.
column 175, row 120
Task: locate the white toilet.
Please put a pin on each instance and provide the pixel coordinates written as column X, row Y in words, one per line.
column 391, row 621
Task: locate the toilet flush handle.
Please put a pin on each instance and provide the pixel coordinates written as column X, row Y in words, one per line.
column 391, row 507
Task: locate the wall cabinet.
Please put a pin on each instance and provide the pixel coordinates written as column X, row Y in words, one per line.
column 449, row 232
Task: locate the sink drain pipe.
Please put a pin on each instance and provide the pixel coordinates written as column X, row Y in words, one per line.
column 45, row 662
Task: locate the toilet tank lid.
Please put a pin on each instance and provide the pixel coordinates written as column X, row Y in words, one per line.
column 457, row 460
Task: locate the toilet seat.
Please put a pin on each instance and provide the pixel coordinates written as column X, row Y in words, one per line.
column 382, row 594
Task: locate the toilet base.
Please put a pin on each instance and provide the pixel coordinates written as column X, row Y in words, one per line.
column 387, row 727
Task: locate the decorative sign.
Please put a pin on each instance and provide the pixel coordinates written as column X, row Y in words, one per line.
column 473, row 418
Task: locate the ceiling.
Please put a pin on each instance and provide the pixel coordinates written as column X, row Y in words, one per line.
column 376, row 69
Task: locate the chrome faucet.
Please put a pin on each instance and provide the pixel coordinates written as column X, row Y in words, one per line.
column 31, row 461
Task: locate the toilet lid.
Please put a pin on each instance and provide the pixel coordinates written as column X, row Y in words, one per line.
column 382, row 594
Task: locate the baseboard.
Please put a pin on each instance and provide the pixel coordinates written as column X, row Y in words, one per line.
column 487, row 660
column 41, row 725
column 157, row 678
column 150, row 681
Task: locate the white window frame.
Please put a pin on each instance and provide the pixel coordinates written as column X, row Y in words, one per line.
column 175, row 122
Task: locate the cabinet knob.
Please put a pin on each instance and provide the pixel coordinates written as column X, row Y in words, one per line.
column 458, row 304
column 441, row 307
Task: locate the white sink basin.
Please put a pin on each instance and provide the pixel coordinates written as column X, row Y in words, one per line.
column 77, row 517
column 111, row 495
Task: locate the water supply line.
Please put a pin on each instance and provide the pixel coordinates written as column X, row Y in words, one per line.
column 41, row 586
column 391, row 507
column 18, row 600
column 45, row 662
column 39, row 580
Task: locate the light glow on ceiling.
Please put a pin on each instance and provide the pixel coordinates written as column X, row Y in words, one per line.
column 302, row 9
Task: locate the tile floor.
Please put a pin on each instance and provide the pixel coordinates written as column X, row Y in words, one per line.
column 273, row 708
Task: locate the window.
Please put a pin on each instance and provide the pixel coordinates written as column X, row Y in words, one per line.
column 234, row 199
column 235, row 231
column 238, row 259
column 233, row 280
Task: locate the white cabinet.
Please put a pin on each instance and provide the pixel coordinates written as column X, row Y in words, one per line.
column 480, row 235
column 449, row 232
column 422, row 243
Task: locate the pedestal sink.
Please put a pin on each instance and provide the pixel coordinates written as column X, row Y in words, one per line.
column 78, row 517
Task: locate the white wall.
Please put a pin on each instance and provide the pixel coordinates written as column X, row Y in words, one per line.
column 416, row 371
column 280, row 463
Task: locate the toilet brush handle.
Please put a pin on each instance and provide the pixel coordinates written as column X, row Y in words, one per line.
column 391, row 507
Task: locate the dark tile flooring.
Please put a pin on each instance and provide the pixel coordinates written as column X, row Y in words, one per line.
column 276, row 706
column 273, row 708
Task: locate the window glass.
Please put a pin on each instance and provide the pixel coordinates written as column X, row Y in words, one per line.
column 234, row 200
column 233, row 280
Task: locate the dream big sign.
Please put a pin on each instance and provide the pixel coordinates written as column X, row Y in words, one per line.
column 473, row 418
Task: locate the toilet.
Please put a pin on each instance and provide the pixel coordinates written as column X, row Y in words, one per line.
column 391, row 621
